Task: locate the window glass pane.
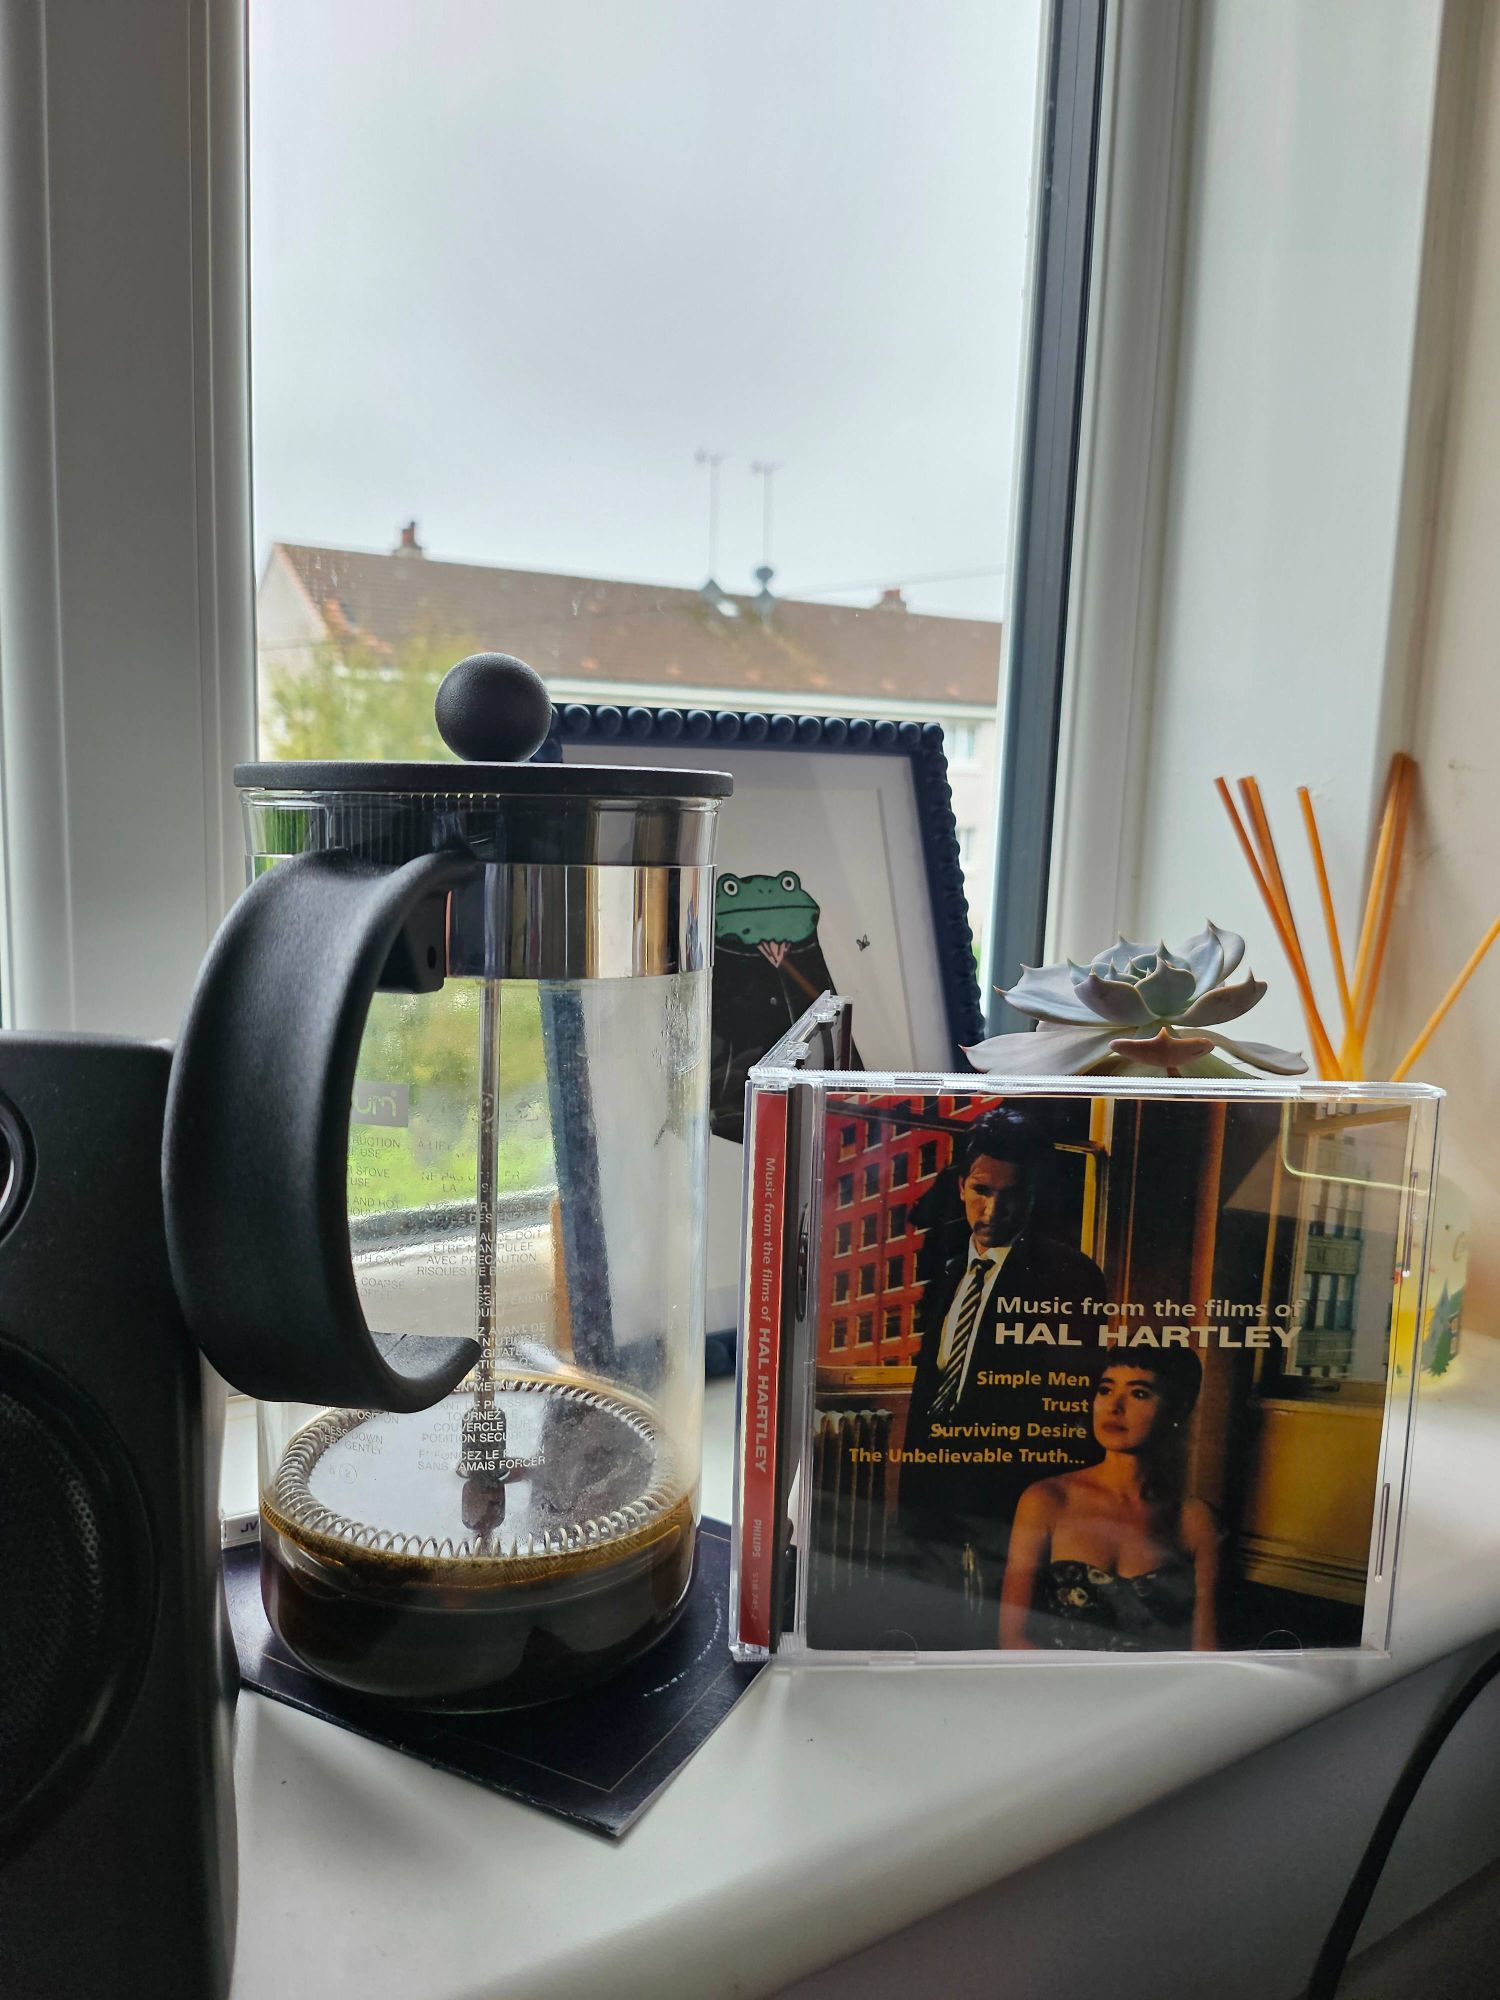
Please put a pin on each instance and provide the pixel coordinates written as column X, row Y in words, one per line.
column 674, row 349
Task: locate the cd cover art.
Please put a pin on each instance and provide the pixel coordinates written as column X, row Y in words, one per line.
column 1061, row 1369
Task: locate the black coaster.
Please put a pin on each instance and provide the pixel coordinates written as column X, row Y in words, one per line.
column 598, row 1758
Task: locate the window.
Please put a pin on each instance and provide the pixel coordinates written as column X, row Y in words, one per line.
column 895, row 1273
column 848, row 1141
column 295, row 392
column 959, row 742
column 845, row 1190
column 866, row 1280
column 764, row 527
column 872, row 1181
column 896, row 1220
column 771, row 482
column 840, row 1287
column 900, row 1170
column 893, row 1324
column 864, row 1330
column 840, row 1333
column 869, row 1232
column 890, row 1360
column 842, row 1239
column 927, row 1160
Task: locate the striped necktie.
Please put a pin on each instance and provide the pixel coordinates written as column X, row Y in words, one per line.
column 963, row 1336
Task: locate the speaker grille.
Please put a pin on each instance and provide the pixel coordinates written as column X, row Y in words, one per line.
column 70, row 1575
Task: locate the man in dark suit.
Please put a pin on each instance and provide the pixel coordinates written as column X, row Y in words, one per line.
column 984, row 1420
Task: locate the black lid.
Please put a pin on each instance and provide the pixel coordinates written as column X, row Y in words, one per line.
column 495, row 714
column 520, row 781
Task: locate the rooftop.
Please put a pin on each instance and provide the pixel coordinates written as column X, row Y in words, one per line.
column 591, row 629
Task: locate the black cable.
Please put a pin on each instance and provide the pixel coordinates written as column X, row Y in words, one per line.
column 1351, row 1912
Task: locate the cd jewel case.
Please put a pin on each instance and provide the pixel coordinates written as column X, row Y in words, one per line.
column 1097, row 1367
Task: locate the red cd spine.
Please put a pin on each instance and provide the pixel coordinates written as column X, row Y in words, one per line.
column 759, row 1527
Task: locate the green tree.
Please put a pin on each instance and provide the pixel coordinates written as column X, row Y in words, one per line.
column 359, row 700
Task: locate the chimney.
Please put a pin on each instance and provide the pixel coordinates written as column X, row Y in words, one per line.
column 765, row 603
column 408, row 544
column 891, row 600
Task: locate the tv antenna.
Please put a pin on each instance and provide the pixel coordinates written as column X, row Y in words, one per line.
column 713, row 460
column 766, row 469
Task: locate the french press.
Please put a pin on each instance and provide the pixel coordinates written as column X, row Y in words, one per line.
column 449, row 1055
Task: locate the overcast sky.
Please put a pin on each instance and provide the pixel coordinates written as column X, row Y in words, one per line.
column 515, row 261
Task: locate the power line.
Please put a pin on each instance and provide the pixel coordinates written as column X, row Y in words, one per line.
column 889, row 582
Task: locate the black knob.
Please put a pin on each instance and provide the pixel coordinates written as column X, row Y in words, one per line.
column 492, row 709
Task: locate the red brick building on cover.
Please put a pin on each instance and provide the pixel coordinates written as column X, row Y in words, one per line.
column 877, row 1169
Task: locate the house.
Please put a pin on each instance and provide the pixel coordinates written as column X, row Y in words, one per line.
column 597, row 639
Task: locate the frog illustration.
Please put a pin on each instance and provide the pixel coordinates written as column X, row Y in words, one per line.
column 769, row 969
column 771, row 912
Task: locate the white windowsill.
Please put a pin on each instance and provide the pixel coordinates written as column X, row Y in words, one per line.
column 831, row 1809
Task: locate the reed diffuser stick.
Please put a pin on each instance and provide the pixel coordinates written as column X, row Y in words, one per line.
column 1405, row 785
column 1357, row 996
column 1440, row 1012
column 1270, row 860
column 1327, row 1061
column 1259, row 822
column 1330, row 915
column 1255, row 813
column 1352, row 1053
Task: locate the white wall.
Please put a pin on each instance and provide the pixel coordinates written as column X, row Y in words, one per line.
column 1452, row 887
column 1306, row 206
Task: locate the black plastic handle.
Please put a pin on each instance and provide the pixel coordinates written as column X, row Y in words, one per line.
column 255, row 1158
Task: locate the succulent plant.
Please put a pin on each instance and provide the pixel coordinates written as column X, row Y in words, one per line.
column 1135, row 1009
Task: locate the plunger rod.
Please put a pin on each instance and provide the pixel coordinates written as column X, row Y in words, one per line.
column 483, row 1427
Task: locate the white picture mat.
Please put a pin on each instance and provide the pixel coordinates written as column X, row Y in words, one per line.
column 847, row 823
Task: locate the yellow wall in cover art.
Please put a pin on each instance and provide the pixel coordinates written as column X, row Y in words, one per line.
column 1311, row 1502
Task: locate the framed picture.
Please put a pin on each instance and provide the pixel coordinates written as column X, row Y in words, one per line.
column 837, row 870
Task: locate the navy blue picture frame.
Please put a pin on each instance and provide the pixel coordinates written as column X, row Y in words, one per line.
column 920, row 744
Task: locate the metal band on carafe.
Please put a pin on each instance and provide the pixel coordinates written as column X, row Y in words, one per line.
column 529, row 921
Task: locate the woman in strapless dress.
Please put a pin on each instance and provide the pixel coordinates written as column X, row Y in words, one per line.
column 1116, row 1557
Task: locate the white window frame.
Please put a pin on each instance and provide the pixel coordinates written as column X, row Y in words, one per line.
column 1128, row 461
column 1124, row 468
column 126, row 653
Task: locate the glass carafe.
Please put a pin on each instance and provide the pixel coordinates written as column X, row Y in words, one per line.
column 522, row 1105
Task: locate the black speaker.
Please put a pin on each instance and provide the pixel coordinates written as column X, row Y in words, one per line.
column 117, row 1851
